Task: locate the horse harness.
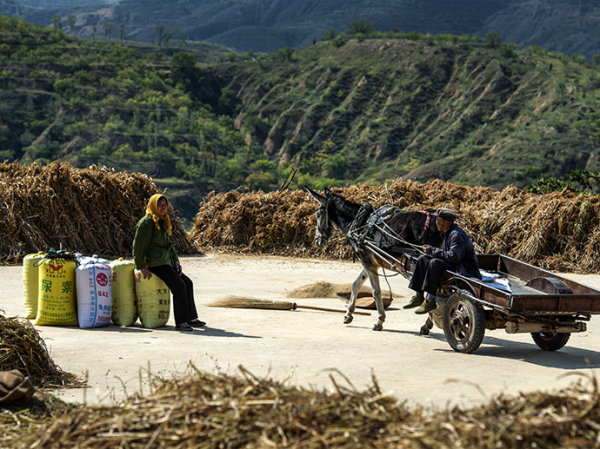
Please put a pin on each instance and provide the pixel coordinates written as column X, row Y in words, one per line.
column 362, row 235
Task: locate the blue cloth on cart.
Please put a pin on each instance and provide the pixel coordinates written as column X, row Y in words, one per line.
column 495, row 280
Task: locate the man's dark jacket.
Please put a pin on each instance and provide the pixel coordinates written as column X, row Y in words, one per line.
column 458, row 251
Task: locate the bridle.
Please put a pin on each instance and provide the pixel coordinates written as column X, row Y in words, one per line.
column 323, row 231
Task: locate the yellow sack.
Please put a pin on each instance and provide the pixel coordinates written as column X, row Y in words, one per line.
column 30, row 283
column 153, row 300
column 56, row 300
column 124, row 312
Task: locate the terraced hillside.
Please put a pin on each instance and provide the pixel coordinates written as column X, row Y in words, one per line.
column 376, row 109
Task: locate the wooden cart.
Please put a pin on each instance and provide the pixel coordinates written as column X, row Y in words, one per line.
column 517, row 297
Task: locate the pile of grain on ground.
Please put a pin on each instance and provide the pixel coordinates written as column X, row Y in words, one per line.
column 321, row 289
column 206, row 410
column 92, row 210
column 557, row 231
column 22, row 348
column 324, row 289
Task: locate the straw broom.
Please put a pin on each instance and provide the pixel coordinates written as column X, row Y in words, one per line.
column 243, row 302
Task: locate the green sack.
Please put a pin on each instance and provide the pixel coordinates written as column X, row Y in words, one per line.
column 30, row 284
column 153, row 300
column 56, row 287
column 124, row 311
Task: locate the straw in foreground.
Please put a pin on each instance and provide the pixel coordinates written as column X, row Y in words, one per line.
column 208, row 411
column 22, row 348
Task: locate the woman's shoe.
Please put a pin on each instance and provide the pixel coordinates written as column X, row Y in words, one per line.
column 196, row 323
column 184, row 327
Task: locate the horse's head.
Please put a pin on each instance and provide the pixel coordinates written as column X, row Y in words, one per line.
column 323, row 230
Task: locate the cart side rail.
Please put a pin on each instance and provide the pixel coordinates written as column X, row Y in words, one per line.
column 542, row 303
column 526, row 272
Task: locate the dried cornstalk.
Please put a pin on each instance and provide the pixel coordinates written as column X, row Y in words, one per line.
column 91, row 211
column 201, row 410
column 557, row 231
column 22, row 348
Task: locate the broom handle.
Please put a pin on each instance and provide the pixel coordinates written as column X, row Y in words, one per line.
column 329, row 310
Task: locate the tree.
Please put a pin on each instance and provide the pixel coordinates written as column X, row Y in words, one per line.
column 330, row 34
column 167, row 36
column 160, row 32
column 71, row 20
column 108, row 26
column 183, row 68
column 121, row 31
column 182, row 36
column 94, row 24
column 284, row 53
column 361, row 26
column 57, row 22
column 493, row 39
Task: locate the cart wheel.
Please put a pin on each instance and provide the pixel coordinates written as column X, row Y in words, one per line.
column 464, row 323
column 550, row 341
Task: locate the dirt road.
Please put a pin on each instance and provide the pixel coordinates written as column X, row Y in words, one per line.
column 307, row 347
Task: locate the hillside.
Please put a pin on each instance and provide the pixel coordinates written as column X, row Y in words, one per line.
column 421, row 108
column 558, row 25
column 568, row 26
column 345, row 110
column 137, row 108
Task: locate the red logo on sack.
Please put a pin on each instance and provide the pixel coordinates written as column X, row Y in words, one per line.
column 102, row 279
column 55, row 268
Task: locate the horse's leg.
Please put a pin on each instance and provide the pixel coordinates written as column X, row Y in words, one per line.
column 356, row 285
column 374, row 278
column 426, row 327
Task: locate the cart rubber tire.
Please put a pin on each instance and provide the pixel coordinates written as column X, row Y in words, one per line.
column 550, row 341
column 464, row 323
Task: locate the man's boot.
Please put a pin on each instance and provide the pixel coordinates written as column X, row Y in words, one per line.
column 428, row 305
column 415, row 301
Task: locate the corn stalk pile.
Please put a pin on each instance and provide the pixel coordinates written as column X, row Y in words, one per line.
column 216, row 411
column 22, row 348
column 557, row 231
column 91, row 211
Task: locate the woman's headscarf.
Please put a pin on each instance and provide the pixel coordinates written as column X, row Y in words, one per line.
column 152, row 209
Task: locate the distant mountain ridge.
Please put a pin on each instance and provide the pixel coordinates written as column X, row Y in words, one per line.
column 568, row 26
column 64, row 3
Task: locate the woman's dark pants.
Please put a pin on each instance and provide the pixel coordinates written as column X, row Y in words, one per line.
column 182, row 289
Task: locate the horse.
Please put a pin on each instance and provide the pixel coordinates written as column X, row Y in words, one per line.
column 378, row 238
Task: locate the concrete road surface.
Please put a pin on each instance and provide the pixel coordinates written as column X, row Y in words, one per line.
column 306, row 347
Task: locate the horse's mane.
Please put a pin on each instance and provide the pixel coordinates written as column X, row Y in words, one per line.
column 344, row 207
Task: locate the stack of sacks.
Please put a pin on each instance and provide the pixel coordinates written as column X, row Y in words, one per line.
column 62, row 289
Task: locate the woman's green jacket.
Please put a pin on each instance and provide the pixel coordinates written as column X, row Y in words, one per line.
column 152, row 247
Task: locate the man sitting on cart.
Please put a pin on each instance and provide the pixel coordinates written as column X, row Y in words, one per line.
column 456, row 254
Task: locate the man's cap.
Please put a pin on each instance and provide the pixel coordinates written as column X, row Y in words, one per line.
column 446, row 214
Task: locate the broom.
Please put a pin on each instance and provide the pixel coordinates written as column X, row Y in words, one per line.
column 242, row 302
